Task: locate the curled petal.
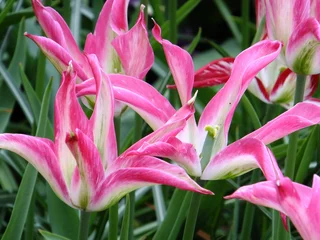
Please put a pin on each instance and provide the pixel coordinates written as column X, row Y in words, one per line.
column 58, row 56
column 182, row 153
column 38, row 152
column 219, row 111
column 240, row 157
column 302, row 115
column 102, row 117
column 154, row 108
column 180, row 64
column 89, row 165
column 303, row 49
column 68, row 116
column 214, row 73
column 138, row 171
column 134, row 49
column 57, row 29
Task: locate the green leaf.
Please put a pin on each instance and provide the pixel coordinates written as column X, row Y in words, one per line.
column 6, row 9
column 63, row 219
column 34, row 102
column 182, row 13
column 226, row 14
column 51, row 236
column 308, row 155
column 159, row 14
column 22, row 203
column 11, row 77
column 7, row 180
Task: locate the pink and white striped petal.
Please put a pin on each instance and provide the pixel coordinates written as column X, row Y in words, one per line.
column 214, row 73
column 134, row 172
column 240, row 157
column 134, row 49
column 58, row 56
column 101, row 120
column 112, row 18
column 40, row 153
column 303, row 50
column 57, row 29
column 89, row 165
column 282, row 17
column 302, row 115
column 180, row 64
column 68, row 116
column 219, row 111
column 143, row 98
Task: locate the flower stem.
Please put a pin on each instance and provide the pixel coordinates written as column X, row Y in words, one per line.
column 196, row 197
column 293, row 138
column 173, row 21
column 84, row 225
column 113, row 222
column 192, row 216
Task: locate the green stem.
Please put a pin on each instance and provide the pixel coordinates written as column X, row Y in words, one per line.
column 172, row 211
column 250, row 110
column 180, row 217
column 172, row 9
column 249, row 213
column 192, row 216
column 113, row 222
column 196, row 197
column 245, row 23
column 84, row 225
column 293, row 138
column 124, row 235
column 290, row 161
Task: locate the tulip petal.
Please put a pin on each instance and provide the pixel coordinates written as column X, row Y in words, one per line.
column 262, row 193
column 57, row 29
column 132, row 172
column 154, row 108
column 68, row 116
column 290, row 197
column 180, row 64
column 38, row 152
column 313, row 207
column 102, row 117
column 112, row 18
column 58, row 56
column 89, row 165
column 214, row 73
column 219, row 111
column 303, row 49
column 134, row 49
column 257, row 88
column 282, row 17
column 240, row 157
column 300, row 116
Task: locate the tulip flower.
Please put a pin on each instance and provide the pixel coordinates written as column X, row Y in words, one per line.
column 81, row 165
column 295, row 23
column 300, row 203
column 118, row 49
column 273, row 84
column 217, row 115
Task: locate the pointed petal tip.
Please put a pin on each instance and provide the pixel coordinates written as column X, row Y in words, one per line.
column 193, row 99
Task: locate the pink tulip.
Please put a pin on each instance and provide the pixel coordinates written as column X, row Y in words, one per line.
column 298, row 202
column 118, row 49
column 295, row 23
column 273, row 84
column 82, row 165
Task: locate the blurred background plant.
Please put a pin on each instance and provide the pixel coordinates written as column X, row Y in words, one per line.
column 209, row 29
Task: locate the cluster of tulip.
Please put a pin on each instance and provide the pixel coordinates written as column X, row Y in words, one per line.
column 82, row 165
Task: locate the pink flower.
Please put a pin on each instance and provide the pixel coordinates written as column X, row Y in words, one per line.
column 273, row 84
column 298, row 202
column 82, row 165
column 118, row 49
